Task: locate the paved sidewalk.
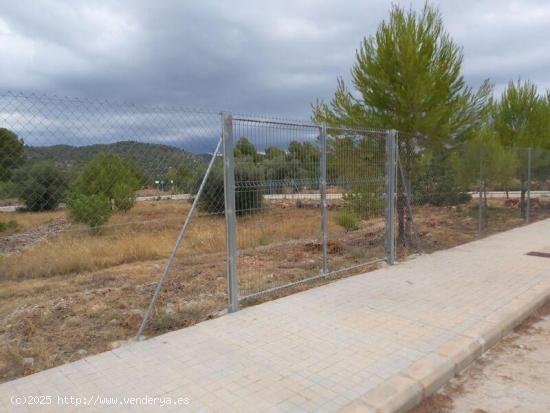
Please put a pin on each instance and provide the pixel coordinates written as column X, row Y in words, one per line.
column 324, row 349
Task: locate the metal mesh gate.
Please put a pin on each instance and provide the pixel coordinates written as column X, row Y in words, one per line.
column 310, row 202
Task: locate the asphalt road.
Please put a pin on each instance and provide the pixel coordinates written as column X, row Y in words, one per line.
column 308, row 196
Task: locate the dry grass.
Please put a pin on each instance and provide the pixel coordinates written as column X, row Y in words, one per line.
column 148, row 232
column 26, row 220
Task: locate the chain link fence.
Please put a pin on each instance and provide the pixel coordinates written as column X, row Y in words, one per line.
column 92, row 196
column 117, row 217
column 446, row 197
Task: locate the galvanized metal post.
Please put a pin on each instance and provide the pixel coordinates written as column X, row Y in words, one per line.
column 230, row 213
column 323, row 203
column 529, row 160
column 391, row 148
column 481, row 188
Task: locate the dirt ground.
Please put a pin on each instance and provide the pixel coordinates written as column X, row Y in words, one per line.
column 66, row 293
column 512, row 377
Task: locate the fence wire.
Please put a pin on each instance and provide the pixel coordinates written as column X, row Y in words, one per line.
column 94, row 188
column 472, row 190
column 356, row 178
column 94, row 193
column 277, row 170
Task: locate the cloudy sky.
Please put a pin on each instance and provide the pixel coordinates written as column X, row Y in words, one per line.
column 250, row 56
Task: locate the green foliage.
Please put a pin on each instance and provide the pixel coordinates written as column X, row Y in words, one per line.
column 522, row 117
column 273, row 152
column 154, row 160
column 434, row 181
column 498, row 164
column 185, row 178
column 115, row 178
column 212, row 198
column 8, row 189
column 347, row 219
column 92, row 210
column 245, row 149
column 4, row 226
column 42, row 187
column 11, row 153
column 408, row 77
column 124, row 196
column 365, row 203
column 350, row 160
column 248, row 190
column 305, row 157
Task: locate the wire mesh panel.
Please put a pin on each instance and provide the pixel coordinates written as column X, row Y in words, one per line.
column 504, row 187
column 356, row 178
column 277, row 203
column 458, row 194
column 92, row 195
column 539, row 185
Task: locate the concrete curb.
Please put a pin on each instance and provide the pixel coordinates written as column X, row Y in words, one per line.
column 406, row 389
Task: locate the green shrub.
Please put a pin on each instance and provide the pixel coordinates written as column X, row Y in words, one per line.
column 248, row 190
column 347, row 219
column 365, row 204
column 42, row 187
column 12, row 153
column 124, row 196
column 212, row 198
column 463, row 197
column 4, row 226
column 8, row 189
column 92, row 210
column 115, row 178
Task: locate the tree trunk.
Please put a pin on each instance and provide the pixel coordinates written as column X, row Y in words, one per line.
column 404, row 225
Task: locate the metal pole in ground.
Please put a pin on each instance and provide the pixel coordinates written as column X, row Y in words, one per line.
column 390, row 196
column 480, row 214
column 324, row 204
column 177, row 244
column 528, row 209
column 230, row 212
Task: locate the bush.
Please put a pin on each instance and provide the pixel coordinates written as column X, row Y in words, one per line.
column 42, row 187
column 248, row 190
column 212, row 198
column 434, row 181
column 365, row 204
column 8, row 190
column 124, row 196
column 4, row 226
column 12, row 154
column 108, row 175
column 92, row 210
column 347, row 219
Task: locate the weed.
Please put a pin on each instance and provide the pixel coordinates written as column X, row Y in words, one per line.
column 347, row 219
column 4, row 226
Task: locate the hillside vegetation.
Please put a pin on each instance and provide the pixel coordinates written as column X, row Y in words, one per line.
column 153, row 160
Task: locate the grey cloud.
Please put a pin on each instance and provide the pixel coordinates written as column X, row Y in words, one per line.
column 248, row 56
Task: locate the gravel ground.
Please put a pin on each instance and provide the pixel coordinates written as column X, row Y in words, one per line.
column 514, row 376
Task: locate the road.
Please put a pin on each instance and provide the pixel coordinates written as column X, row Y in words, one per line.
column 305, row 196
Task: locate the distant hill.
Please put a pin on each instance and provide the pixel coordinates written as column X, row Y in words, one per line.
column 153, row 160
